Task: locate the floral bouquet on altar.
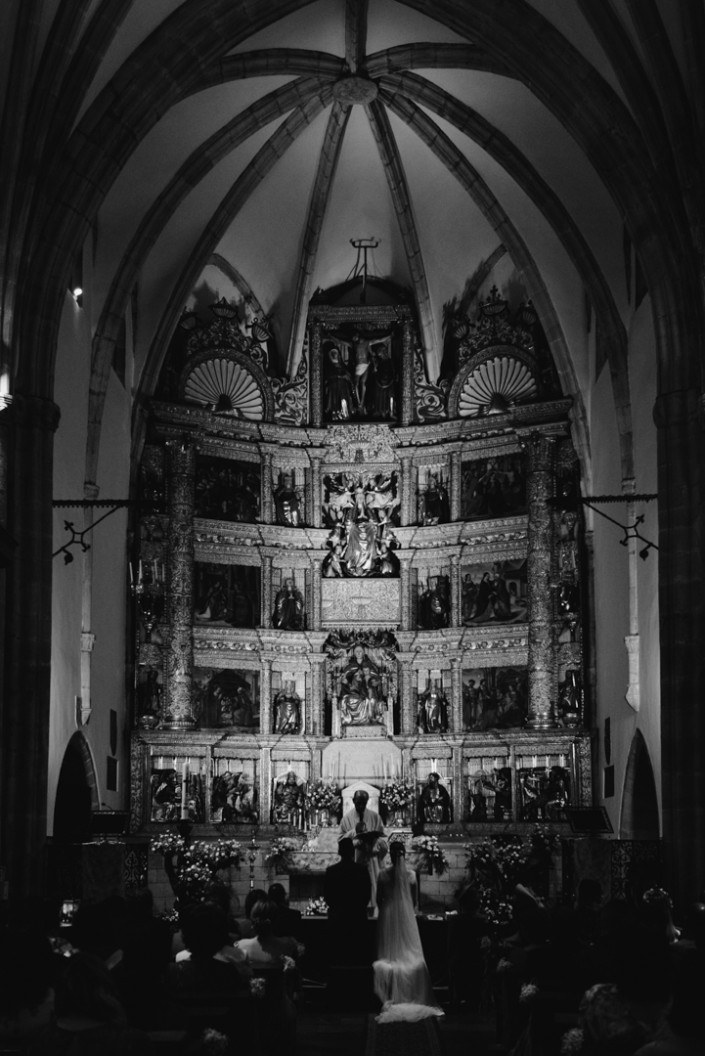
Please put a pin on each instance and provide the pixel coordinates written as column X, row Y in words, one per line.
column 316, row 907
column 324, row 795
column 396, row 795
column 280, row 852
column 429, row 854
column 192, row 868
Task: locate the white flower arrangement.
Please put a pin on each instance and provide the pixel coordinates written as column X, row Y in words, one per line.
column 257, row 987
column 324, row 795
column 528, row 993
column 430, row 853
column 397, row 795
column 281, row 850
column 572, row 1042
column 316, row 907
column 197, row 863
column 656, row 894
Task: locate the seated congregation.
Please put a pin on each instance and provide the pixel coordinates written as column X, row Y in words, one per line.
column 601, row 976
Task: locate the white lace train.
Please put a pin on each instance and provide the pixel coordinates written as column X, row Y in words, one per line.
column 401, row 978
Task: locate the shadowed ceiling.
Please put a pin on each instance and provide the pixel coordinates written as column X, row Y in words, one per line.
column 238, row 149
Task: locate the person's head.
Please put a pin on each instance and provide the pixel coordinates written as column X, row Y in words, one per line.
column 262, row 917
column 360, row 800
column 397, row 852
column 346, row 849
column 257, row 894
column 277, row 894
column 204, row 929
column 358, row 653
column 433, row 778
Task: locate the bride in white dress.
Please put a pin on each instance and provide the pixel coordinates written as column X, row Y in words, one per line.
column 401, row 978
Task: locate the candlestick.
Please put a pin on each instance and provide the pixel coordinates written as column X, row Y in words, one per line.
column 184, row 788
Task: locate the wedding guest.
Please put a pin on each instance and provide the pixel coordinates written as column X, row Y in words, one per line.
column 347, row 890
column 287, row 920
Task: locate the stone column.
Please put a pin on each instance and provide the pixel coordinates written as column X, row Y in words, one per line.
column 456, row 485
column 266, row 571
column 178, row 703
column 314, row 493
column 407, row 689
column 267, row 488
column 316, row 403
column 265, row 696
column 315, row 709
column 406, row 484
column 316, row 564
column 408, row 371
column 678, row 415
column 265, row 785
column 456, row 695
column 456, row 614
column 27, row 427
column 405, row 593
column 456, row 769
column 539, row 557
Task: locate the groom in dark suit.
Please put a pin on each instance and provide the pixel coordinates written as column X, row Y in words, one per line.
column 346, row 889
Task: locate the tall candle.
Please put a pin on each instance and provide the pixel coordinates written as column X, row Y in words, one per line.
column 184, row 785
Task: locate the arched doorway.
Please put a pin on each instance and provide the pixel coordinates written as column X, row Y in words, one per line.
column 640, row 814
column 76, row 793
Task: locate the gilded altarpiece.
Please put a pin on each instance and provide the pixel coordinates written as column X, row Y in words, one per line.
column 373, row 578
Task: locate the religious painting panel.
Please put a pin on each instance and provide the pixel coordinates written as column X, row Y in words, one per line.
column 177, row 788
column 234, row 791
column 493, row 487
column 361, row 374
column 544, row 788
column 228, row 697
column 227, row 489
column 494, row 697
column 361, row 509
column 227, row 594
column 488, row 789
column 494, row 592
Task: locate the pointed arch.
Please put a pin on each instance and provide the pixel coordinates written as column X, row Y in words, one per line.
column 76, row 792
column 639, row 819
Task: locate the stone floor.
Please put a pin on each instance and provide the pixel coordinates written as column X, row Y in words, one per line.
column 323, row 1031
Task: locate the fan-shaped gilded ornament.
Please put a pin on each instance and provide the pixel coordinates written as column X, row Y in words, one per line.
column 224, row 385
column 495, row 385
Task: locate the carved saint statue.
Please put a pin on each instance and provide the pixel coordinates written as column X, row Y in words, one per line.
column 362, row 701
column 433, row 710
column 287, row 502
column 287, row 710
column 289, row 608
column 435, row 805
column 288, row 799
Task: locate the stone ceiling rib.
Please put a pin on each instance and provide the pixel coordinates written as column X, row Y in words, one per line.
column 327, row 164
column 473, row 183
column 355, row 33
column 214, row 229
column 433, row 56
column 195, row 168
column 396, row 180
column 409, row 89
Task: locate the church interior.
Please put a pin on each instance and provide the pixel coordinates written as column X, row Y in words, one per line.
column 351, row 438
